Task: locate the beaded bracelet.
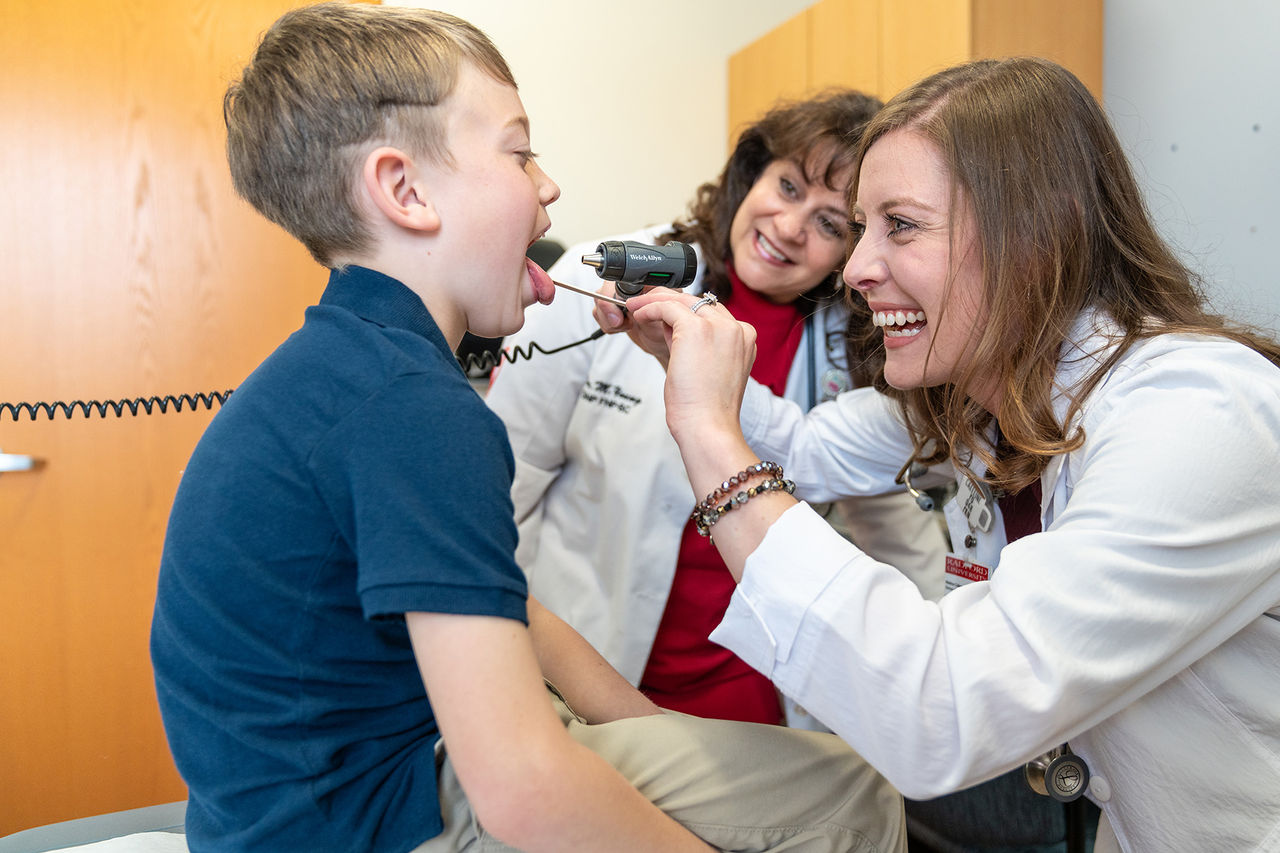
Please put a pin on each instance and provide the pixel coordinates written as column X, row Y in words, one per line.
column 773, row 469
column 706, row 513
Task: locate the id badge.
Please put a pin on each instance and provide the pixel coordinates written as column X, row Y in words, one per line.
column 834, row 383
column 961, row 572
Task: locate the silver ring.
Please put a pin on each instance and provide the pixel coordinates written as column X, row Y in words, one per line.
column 709, row 299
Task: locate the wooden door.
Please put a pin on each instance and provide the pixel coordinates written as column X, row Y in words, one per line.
column 133, row 270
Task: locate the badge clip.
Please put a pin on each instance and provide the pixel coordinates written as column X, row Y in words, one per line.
column 977, row 502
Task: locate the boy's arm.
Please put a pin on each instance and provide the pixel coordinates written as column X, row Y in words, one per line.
column 529, row 783
column 591, row 687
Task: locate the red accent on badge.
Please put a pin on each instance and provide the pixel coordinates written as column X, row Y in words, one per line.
column 967, row 570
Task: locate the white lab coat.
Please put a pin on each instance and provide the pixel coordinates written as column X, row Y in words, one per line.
column 1142, row 625
column 601, row 495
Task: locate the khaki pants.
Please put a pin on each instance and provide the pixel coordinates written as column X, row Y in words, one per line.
column 740, row 787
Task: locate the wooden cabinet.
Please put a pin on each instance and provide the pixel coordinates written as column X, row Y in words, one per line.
column 882, row 46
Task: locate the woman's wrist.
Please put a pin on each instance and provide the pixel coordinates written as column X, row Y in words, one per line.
column 712, row 456
column 740, row 523
column 754, row 480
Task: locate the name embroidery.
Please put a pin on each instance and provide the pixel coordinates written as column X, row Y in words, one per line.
column 609, row 396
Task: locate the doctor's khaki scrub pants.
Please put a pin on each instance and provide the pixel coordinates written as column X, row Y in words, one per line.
column 741, row 787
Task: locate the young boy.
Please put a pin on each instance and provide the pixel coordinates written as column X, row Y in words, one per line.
column 343, row 532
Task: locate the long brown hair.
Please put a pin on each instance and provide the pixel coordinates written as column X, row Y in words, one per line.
column 1063, row 227
column 818, row 133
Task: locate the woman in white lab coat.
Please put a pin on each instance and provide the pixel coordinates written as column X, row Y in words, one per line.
column 600, row 493
column 1114, row 445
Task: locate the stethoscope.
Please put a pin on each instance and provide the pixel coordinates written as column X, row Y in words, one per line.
column 834, row 380
column 1059, row 773
column 909, row 469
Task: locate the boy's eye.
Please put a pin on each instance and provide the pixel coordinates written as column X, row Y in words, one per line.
column 525, row 156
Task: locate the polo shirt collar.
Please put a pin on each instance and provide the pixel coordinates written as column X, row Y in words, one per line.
column 381, row 299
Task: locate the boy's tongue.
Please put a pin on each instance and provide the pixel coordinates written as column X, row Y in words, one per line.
column 543, row 289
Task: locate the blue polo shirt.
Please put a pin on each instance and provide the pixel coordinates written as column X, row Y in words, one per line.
column 353, row 477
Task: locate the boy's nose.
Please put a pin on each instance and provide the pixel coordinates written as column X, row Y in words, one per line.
column 548, row 190
column 551, row 192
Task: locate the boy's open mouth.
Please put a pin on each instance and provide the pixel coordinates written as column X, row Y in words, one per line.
column 543, row 289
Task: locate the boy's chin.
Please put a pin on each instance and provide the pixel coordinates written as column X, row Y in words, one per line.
column 508, row 325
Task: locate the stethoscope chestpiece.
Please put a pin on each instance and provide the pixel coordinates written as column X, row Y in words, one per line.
column 1059, row 773
column 905, row 473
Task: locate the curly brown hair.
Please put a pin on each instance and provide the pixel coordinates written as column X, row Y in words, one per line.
column 819, row 134
column 1063, row 228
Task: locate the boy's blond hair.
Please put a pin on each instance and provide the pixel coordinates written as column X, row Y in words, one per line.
column 325, row 83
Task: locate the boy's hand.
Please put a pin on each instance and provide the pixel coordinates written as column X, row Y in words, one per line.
column 528, row 782
column 593, row 688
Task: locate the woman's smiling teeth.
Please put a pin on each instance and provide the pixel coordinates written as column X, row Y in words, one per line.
column 899, row 324
column 768, row 249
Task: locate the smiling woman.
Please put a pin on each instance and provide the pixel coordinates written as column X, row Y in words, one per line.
column 1061, row 348
column 917, row 263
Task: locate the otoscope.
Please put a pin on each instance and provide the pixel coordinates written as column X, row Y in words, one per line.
column 633, row 266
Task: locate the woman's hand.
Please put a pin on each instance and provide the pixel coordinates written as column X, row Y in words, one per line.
column 710, row 359
column 650, row 337
column 707, row 354
column 612, row 318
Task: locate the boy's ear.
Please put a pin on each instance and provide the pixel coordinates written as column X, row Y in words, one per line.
column 396, row 188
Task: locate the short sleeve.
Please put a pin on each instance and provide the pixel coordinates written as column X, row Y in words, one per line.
column 418, row 478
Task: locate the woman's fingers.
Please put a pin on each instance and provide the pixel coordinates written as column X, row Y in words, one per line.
column 610, row 317
column 650, row 330
column 709, row 358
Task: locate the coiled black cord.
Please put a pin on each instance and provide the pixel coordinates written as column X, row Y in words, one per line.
column 483, row 361
column 101, row 407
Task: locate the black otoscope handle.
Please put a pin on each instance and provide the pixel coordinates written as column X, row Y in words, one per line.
column 633, row 266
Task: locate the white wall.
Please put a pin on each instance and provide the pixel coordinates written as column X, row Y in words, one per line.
column 628, row 104
column 628, row 100
column 1191, row 89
